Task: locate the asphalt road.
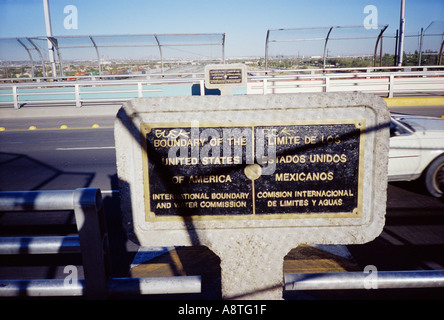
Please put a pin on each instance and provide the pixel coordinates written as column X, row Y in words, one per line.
column 52, row 157
column 57, row 159
column 430, row 111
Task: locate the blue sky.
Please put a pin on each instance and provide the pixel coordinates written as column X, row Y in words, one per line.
column 245, row 22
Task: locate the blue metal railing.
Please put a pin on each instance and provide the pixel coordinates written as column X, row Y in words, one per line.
column 92, row 243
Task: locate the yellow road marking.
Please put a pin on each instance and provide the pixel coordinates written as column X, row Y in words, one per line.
column 415, row 101
column 62, row 127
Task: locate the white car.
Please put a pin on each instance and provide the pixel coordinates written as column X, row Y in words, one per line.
column 417, row 151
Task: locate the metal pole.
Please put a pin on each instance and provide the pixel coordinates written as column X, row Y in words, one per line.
column 39, row 245
column 420, row 46
column 156, row 285
column 41, row 287
column 401, row 33
column 361, row 280
column 376, row 47
column 49, row 35
column 380, row 52
column 93, row 236
column 54, row 42
column 266, row 50
column 118, row 286
column 325, row 46
column 440, row 53
column 30, row 56
column 223, row 48
column 36, row 200
column 160, row 51
column 395, row 62
column 98, row 54
column 40, row 54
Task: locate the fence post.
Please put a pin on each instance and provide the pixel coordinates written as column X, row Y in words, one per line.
column 202, row 87
column 77, row 95
column 93, row 238
column 264, row 82
column 391, row 85
column 15, row 97
column 139, row 90
column 327, row 84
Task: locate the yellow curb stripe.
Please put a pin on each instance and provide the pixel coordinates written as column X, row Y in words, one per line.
column 417, row 101
column 62, row 127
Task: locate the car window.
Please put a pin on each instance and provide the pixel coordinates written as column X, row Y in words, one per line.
column 398, row 128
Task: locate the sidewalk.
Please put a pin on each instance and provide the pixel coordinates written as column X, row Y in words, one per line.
column 109, row 109
column 68, row 111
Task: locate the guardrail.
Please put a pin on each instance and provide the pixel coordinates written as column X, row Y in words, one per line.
column 81, row 92
column 383, row 81
column 361, row 280
column 91, row 242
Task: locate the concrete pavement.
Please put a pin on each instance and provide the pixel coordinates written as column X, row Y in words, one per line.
column 53, row 111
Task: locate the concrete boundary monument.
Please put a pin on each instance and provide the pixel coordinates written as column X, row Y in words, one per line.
column 252, row 177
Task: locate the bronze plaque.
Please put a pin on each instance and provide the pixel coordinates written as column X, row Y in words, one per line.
column 253, row 170
column 225, row 76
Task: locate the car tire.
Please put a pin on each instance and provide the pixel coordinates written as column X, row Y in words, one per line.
column 434, row 177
